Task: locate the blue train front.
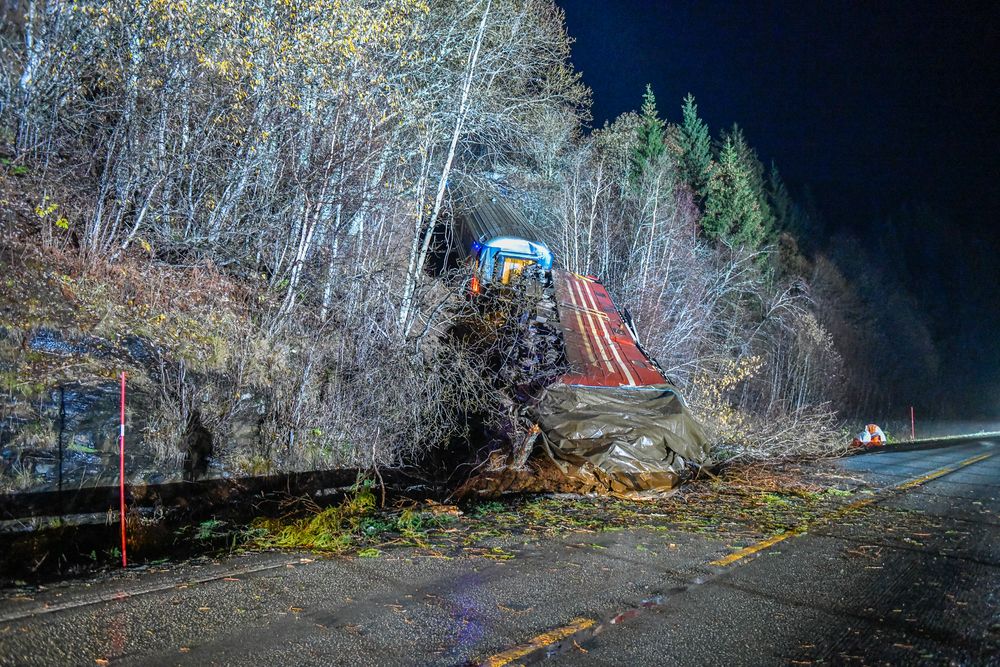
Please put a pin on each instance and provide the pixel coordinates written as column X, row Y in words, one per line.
column 504, row 259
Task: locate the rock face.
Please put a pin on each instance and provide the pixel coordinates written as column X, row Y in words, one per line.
column 68, row 434
column 197, row 447
column 56, row 433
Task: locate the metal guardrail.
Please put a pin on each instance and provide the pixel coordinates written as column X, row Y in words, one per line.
column 928, row 443
column 196, row 496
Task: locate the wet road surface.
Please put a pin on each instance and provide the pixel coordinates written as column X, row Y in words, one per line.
column 908, row 576
column 913, row 578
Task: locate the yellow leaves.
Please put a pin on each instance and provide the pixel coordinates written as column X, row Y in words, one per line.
column 45, row 208
column 713, row 389
column 737, row 371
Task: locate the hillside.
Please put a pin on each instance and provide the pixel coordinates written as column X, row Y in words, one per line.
column 235, row 202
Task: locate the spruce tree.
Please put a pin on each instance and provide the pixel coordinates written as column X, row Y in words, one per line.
column 733, row 211
column 754, row 171
column 720, row 195
column 649, row 140
column 781, row 201
column 695, row 149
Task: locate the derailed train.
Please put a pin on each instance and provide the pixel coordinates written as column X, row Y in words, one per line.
column 612, row 422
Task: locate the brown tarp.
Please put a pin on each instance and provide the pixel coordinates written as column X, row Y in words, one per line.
column 608, row 440
column 641, row 436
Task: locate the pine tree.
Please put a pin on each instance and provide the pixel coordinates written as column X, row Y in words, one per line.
column 649, row 138
column 720, row 195
column 781, row 202
column 695, row 149
column 754, row 171
column 733, row 211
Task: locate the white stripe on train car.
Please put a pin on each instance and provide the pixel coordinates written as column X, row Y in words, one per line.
column 579, row 322
column 589, row 333
column 626, row 372
column 598, row 325
column 605, row 357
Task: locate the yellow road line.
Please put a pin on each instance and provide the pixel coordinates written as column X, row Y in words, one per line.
column 539, row 642
column 754, row 548
column 856, row 505
column 942, row 472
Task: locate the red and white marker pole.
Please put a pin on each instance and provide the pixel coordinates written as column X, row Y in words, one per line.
column 121, row 470
column 913, row 424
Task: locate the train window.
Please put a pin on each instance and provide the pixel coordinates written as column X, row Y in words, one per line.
column 513, row 268
column 498, row 264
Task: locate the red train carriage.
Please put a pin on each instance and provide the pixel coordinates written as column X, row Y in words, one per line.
column 613, row 421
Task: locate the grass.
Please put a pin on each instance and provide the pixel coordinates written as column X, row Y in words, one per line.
column 356, row 523
column 744, row 504
column 18, row 478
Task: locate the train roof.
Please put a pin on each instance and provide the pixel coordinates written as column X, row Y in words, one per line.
column 599, row 347
column 488, row 214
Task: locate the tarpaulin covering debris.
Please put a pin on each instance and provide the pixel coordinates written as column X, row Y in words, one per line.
column 641, row 432
column 605, row 440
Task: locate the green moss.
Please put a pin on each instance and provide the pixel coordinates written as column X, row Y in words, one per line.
column 354, row 523
column 23, row 382
column 774, row 499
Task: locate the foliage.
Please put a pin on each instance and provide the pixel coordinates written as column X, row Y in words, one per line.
column 354, row 522
column 693, row 148
column 736, row 212
column 743, row 503
column 649, row 145
column 298, row 153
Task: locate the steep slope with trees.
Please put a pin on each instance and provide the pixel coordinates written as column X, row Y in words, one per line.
column 251, row 189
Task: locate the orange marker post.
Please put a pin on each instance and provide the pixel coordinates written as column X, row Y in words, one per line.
column 121, row 470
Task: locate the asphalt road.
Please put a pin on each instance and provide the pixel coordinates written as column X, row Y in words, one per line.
column 907, row 576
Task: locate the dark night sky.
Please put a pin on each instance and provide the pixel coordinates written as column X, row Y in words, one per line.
column 874, row 106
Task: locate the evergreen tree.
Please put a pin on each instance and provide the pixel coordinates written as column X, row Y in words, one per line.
column 694, row 149
column 649, row 138
column 733, row 212
column 781, row 202
column 751, row 166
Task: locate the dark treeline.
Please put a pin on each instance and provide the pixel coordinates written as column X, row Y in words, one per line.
column 945, row 278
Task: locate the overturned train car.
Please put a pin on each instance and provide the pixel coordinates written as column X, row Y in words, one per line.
column 613, row 423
